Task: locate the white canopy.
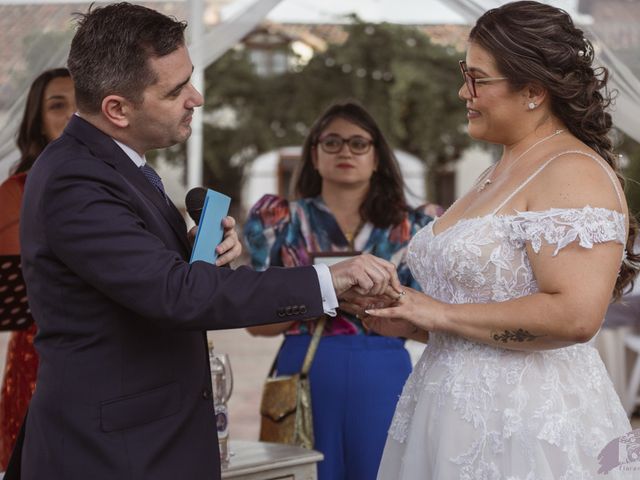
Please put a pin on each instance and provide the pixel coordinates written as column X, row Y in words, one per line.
column 46, row 26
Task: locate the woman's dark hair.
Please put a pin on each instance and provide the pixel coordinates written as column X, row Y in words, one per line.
column 31, row 139
column 534, row 43
column 385, row 204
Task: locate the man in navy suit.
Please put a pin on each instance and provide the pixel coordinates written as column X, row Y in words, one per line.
column 123, row 389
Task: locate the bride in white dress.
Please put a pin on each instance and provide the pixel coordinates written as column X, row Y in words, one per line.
column 518, row 273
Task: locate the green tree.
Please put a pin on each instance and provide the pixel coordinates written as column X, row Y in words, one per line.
column 631, row 152
column 405, row 81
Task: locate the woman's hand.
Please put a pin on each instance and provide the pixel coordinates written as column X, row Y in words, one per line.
column 230, row 248
column 390, row 327
column 414, row 307
column 360, row 305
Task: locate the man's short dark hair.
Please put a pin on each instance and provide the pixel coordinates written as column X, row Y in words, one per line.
column 111, row 48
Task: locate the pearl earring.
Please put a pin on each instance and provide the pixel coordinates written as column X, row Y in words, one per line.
column 532, row 105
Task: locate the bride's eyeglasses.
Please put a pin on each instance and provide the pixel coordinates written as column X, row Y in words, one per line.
column 333, row 143
column 472, row 81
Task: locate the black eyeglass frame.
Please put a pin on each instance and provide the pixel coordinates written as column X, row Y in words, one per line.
column 343, row 141
column 471, row 82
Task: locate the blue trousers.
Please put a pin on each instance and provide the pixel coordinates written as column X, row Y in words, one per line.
column 355, row 384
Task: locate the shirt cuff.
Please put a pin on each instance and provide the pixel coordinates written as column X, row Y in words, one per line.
column 329, row 299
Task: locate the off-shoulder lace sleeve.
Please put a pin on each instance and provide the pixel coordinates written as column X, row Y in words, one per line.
column 562, row 226
column 264, row 223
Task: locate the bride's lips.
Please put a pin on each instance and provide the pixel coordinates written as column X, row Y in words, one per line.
column 471, row 113
column 345, row 165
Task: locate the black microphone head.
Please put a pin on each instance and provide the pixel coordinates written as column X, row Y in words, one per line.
column 194, row 201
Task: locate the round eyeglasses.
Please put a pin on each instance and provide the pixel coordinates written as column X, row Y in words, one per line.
column 471, row 81
column 333, row 143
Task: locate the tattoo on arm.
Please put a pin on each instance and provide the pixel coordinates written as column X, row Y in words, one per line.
column 519, row 335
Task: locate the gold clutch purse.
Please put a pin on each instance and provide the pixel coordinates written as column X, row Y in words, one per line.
column 285, row 409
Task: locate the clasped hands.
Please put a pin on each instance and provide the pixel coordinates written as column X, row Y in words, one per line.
column 368, row 287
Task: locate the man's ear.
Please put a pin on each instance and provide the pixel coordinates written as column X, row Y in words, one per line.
column 116, row 110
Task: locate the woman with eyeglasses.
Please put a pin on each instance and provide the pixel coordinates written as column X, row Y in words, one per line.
column 350, row 199
column 518, row 273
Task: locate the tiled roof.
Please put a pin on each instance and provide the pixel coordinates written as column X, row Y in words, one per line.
column 453, row 35
column 19, row 24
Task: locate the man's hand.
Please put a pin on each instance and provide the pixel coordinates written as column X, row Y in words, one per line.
column 355, row 304
column 191, row 235
column 366, row 275
column 230, row 248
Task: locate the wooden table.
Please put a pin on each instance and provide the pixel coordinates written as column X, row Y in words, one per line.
column 270, row 461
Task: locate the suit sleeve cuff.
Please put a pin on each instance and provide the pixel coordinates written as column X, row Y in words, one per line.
column 329, row 299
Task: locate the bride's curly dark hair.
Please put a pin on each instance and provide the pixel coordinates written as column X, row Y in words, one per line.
column 536, row 43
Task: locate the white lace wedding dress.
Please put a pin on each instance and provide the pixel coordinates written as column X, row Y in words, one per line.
column 471, row 411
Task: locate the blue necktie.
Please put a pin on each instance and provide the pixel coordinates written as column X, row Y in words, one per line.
column 153, row 178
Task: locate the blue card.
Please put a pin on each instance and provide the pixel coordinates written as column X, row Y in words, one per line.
column 210, row 232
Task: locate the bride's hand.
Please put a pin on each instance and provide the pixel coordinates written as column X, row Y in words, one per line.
column 415, row 307
column 390, row 327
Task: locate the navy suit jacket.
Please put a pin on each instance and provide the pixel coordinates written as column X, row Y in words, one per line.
column 124, row 389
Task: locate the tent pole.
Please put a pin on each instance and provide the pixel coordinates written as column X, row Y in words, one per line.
column 194, row 145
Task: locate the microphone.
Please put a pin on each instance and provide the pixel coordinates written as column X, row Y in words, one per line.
column 194, row 201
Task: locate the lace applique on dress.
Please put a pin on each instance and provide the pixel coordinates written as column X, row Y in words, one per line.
column 561, row 227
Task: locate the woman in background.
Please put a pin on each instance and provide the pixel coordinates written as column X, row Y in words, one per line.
column 50, row 104
column 350, row 199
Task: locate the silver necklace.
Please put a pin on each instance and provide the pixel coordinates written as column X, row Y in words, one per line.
column 488, row 181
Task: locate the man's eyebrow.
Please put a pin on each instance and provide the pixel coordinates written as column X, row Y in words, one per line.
column 180, row 85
